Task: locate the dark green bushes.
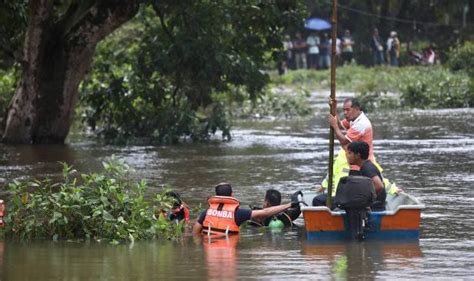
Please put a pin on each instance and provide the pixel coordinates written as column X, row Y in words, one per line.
column 155, row 78
column 88, row 206
column 461, row 58
column 7, row 88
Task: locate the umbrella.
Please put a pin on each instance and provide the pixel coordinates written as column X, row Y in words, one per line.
column 316, row 24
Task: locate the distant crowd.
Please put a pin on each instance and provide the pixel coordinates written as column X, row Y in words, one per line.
column 314, row 52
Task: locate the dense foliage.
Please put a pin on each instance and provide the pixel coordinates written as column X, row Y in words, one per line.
column 157, row 76
column 7, row 87
column 95, row 206
column 461, row 58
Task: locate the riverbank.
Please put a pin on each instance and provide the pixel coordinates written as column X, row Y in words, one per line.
column 387, row 87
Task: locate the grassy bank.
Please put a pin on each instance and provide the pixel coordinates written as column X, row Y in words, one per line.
column 413, row 86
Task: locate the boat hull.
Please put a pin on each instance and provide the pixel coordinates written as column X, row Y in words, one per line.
column 399, row 222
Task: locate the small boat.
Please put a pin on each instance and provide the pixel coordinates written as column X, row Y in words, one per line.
column 400, row 220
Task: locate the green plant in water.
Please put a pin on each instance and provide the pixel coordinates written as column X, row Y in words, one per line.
column 95, row 206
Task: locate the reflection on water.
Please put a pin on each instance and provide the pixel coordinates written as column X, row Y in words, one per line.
column 428, row 153
column 365, row 260
column 263, row 256
column 221, row 256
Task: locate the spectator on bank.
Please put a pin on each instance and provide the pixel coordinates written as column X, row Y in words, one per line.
column 313, row 50
column 286, row 56
column 347, row 47
column 393, row 48
column 377, row 48
column 429, row 55
column 299, row 48
column 324, row 51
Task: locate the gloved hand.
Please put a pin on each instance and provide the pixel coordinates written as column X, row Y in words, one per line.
column 294, row 196
column 296, row 204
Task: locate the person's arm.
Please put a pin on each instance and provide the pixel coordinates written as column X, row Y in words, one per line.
column 267, row 212
column 378, row 184
column 333, row 122
column 197, row 228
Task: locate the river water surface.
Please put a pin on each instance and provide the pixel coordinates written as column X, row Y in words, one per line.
column 430, row 154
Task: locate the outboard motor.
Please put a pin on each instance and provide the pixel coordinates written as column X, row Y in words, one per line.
column 354, row 195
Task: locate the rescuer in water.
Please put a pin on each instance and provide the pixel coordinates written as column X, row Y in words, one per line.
column 224, row 216
column 179, row 210
column 283, row 219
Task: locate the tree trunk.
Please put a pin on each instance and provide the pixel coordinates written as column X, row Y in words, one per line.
column 57, row 55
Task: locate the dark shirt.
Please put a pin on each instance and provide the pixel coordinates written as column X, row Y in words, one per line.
column 324, row 47
column 368, row 169
column 241, row 215
column 375, row 43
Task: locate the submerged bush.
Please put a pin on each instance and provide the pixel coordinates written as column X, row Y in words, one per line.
column 275, row 102
column 88, row 206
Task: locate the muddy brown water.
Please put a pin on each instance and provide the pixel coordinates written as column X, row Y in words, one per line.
column 430, row 153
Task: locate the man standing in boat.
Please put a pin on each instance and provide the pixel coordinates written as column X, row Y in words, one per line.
column 224, row 215
column 359, row 128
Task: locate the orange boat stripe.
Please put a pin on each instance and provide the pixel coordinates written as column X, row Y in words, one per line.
column 323, row 221
column 402, row 220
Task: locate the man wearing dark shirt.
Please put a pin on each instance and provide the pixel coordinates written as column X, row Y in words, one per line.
column 358, row 154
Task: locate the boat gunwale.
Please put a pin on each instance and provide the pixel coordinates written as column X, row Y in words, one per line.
column 417, row 206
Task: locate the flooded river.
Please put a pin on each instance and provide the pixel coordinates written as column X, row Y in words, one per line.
column 430, row 154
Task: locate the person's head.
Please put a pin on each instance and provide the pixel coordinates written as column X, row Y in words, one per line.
column 176, row 198
column 375, row 32
column 347, row 32
column 357, row 152
column 351, row 108
column 325, row 36
column 223, row 189
column 272, row 198
column 393, row 34
column 298, row 35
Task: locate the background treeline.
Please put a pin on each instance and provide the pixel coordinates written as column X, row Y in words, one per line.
column 176, row 68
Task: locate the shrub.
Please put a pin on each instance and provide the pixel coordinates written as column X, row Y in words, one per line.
column 461, row 58
column 89, row 206
column 7, row 88
column 275, row 103
column 435, row 88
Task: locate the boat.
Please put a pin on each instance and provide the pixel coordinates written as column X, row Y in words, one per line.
column 399, row 221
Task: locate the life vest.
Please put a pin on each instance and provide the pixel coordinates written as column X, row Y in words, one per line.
column 180, row 213
column 341, row 169
column 220, row 216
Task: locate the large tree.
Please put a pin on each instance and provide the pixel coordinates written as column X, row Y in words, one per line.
column 58, row 47
column 193, row 47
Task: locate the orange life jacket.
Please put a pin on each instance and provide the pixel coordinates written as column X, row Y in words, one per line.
column 220, row 216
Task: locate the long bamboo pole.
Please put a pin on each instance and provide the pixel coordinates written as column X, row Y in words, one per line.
column 332, row 108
